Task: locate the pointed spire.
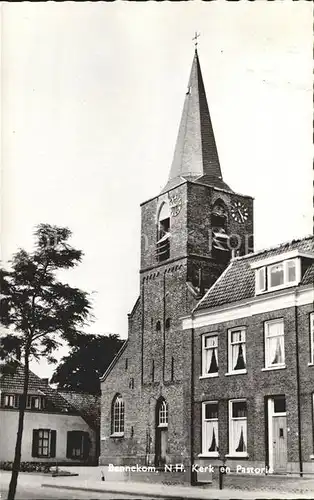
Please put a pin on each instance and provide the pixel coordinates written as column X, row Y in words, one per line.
column 195, row 156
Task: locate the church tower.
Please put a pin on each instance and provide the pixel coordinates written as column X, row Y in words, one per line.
column 189, row 233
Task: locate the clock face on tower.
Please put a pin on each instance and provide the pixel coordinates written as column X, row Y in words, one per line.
column 175, row 205
column 239, row 211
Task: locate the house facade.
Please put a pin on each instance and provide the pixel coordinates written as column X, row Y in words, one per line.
column 55, row 431
column 252, row 377
column 197, row 383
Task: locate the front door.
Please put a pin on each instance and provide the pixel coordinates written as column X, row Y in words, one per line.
column 277, row 432
column 280, row 442
column 161, row 446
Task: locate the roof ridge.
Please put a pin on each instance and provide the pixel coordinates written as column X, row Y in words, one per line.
column 274, row 247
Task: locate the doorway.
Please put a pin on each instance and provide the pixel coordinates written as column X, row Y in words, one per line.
column 161, row 433
column 277, row 433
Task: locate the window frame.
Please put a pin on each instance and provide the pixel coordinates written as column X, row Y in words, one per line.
column 14, row 398
column 267, row 277
column 205, row 453
column 204, row 349
column 231, row 445
column 311, row 317
column 163, row 414
column 231, row 370
column 118, row 416
column 40, row 447
column 267, row 365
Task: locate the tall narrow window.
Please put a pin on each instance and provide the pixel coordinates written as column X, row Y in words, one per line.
column 237, row 351
column 163, row 414
column 118, row 416
column 274, row 344
column 210, row 356
column 210, row 428
column 238, row 427
column 260, row 280
column 312, row 338
column 163, row 233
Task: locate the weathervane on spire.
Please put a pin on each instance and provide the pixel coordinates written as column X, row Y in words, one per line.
column 197, row 35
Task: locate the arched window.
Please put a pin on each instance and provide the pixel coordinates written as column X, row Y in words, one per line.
column 117, row 417
column 220, row 237
column 163, row 233
column 162, row 413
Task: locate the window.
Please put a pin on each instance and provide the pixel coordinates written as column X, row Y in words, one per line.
column 238, row 427
column 163, row 414
column 118, row 415
column 210, row 428
column 279, row 404
column 158, row 326
column 35, row 402
column 163, row 233
column 210, row 356
column 44, row 443
column 260, row 280
column 10, row 401
column 312, row 338
column 237, row 351
column 167, row 323
column 274, row 344
column 78, row 444
column 279, row 275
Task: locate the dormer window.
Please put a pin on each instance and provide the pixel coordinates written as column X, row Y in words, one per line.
column 277, row 275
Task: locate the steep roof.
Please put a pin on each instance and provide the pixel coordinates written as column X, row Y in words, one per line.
column 87, row 404
column 55, row 403
column 195, row 156
column 238, row 280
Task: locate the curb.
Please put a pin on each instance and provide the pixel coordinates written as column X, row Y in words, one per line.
column 123, row 492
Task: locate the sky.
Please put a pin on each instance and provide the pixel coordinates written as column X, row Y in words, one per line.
column 92, row 95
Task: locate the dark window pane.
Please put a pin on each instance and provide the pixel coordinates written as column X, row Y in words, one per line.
column 211, row 410
column 279, row 404
column 239, row 409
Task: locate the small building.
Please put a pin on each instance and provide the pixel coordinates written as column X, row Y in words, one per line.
column 56, row 429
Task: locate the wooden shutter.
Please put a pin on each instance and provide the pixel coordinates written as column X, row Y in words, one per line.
column 69, row 444
column 35, row 443
column 86, row 445
column 53, row 439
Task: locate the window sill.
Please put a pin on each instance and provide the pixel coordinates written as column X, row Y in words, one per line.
column 238, row 372
column 214, row 454
column 117, row 435
column 212, row 375
column 273, row 368
column 237, row 455
column 311, row 457
column 310, row 364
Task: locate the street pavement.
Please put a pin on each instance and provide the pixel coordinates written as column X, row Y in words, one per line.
column 88, row 485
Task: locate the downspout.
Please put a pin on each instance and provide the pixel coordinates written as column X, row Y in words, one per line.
column 193, row 478
column 164, row 328
column 298, row 389
column 142, row 336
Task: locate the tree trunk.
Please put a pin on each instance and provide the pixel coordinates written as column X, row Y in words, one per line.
column 19, row 436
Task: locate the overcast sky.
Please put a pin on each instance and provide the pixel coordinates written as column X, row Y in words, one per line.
column 92, row 97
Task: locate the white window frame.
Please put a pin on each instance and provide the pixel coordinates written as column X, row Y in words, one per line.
column 118, row 416
column 7, row 398
column 268, row 364
column 232, row 444
column 41, row 440
column 206, row 453
column 311, row 339
column 231, row 370
column 285, row 283
column 204, row 350
column 163, row 414
column 260, row 276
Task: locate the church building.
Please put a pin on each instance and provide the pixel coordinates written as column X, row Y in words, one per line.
column 165, row 398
